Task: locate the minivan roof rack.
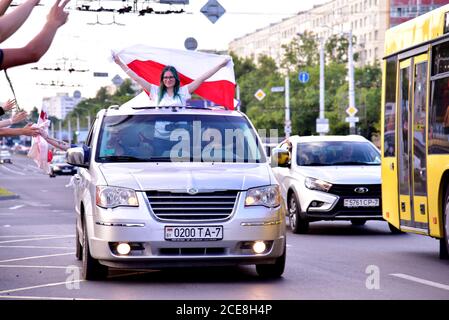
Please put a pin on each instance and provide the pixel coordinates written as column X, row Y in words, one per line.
column 180, row 107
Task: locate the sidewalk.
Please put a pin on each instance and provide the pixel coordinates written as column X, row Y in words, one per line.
column 7, row 195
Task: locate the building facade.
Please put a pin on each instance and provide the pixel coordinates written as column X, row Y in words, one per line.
column 367, row 20
column 61, row 104
column 403, row 10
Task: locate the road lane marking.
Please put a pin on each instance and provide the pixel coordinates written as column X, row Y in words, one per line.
column 422, row 281
column 45, row 298
column 38, row 257
column 41, row 286
column 63, row 283
column 35, row 235
column 34, row 247
column 36, row 267
column 36, row 239
column 14, row 171
column 17, row 207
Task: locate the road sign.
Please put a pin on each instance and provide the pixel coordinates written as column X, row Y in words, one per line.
column 322, row 125
column 260, row 94
column 117, row 80
column 190, row 43
column 288, row 129
column 213, row 10
column 277, row 89
column 303, row 77
column 351, row 111
column 101, row 74
column 352, row 119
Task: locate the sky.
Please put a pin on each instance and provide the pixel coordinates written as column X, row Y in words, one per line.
column 85, row 45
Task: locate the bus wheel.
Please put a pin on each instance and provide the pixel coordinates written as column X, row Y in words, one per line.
column 444, row 242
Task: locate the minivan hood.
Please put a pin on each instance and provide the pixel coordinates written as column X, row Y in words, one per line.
column 344, row 174
column 183, row 176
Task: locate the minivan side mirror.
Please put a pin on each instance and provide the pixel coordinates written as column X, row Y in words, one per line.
column 79, row 156
column 280, row 158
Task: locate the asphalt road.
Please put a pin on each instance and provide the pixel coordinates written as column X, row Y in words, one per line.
column 334, row 261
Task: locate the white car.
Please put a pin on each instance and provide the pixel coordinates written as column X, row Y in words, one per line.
column 5, row 156
column 329, row 178
column 170, row 187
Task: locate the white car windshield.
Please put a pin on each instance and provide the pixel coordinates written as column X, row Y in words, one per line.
column 178, row 138
column 332, row 153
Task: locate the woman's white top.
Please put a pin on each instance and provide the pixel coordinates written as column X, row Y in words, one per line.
column 179, row 100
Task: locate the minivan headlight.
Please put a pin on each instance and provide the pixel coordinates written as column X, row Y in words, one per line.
column 317, row 184
column 111, row 197
column 268, row 196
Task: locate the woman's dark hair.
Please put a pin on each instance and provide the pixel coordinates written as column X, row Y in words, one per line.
column 163, row 88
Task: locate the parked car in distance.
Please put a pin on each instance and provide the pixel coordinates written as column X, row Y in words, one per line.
column 5, row 156
column 173, row 187
column 329, row 178
column 59, row 166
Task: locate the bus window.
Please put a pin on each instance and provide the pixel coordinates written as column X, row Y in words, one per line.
column 390, row 109
column 404, row 147
column 439, row 109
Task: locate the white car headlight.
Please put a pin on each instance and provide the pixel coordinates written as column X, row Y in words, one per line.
column 317, row 184
column 269, row 196
column 111, row 197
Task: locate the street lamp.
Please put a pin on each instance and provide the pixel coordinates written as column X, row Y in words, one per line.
column 351, row 92
column 322, row 124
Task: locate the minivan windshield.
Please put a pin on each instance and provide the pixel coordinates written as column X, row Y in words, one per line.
column 333, row 153
column 178, row 138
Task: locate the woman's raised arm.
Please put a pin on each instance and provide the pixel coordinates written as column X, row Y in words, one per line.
column 197, row 82
column 141, row 81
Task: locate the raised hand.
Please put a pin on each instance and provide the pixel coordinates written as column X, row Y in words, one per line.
column 57, row 15
column 29, row 130
column 9, row 105
column 18, row 117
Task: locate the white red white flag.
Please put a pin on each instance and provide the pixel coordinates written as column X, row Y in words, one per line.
column 39, row 147
column 148, row 63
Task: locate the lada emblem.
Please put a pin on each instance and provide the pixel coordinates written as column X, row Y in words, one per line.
column 361, row 190
column 192, row 191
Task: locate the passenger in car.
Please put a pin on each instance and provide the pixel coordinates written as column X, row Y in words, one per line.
column 169, row 92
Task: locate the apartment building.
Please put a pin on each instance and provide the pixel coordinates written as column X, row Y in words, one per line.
column 367, row 20
column 61, row 104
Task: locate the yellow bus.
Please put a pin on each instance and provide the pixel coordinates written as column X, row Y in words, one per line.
column 415, row 127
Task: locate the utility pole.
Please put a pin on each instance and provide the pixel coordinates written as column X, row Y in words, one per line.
column 288, row 123
column 60, row 129
column 88, row 121
column 351, row 81
column 69, row 126
column 321, row 79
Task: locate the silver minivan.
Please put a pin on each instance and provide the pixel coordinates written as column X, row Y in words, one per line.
column 177, row 186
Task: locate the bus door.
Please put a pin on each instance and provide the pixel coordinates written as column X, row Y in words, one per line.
column 412, row 144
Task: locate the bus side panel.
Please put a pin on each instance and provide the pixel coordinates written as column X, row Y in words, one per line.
column 389, row 166
column 390, row 199
column 437, row 165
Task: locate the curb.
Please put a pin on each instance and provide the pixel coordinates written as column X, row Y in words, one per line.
column 13, row 196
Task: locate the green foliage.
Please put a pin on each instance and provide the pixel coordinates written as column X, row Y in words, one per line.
column 302, row 54
column 89, row 107
column 302, row 51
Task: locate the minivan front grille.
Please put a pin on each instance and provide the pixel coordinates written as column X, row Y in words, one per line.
column 200, row 206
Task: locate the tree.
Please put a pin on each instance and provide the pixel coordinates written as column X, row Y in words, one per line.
column 336, row 48
column 301, row 52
